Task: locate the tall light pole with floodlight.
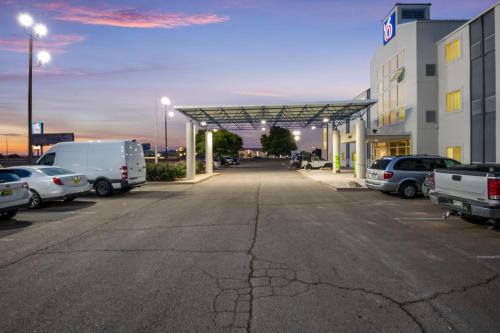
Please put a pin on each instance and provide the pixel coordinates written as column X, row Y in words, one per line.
column 165, row 101
column 36, row 31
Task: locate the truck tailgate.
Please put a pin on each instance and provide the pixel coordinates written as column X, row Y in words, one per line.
column 461, row 184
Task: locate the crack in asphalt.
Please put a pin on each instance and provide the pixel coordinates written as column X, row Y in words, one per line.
column 144, row 250
column 251, row 264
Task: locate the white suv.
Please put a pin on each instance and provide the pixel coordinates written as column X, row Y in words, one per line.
column 14, row 194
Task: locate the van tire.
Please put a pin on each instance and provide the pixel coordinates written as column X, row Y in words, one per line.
column 36, row 200
column 309, row 167
column 103, row 188
column 408, row 190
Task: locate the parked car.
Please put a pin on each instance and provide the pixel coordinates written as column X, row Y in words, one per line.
column 315, row 163
column 223, row 161
column 14, row 194
column 471, row 191
column 229, row 160
column 404, row 174
column 236, row 160
column 49, row 183
column 108, row 165
column 296, row 160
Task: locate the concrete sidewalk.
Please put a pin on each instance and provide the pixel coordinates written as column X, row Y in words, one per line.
column 183, row 181
column 343, row 181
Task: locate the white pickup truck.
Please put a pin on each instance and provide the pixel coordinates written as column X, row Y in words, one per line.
column 471, row 191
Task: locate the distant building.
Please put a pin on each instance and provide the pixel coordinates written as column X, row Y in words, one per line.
column 251, row 153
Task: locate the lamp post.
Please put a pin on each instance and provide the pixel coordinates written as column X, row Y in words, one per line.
column 165, row 101
column 38, row 31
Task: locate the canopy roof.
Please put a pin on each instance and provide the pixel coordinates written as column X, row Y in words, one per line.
column 239, row 117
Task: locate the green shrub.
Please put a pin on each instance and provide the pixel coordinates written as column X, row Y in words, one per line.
column 170, row 171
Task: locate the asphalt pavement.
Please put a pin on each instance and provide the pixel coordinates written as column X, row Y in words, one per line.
column 259, row 248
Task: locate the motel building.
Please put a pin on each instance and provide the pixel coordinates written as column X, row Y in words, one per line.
column 435, row 86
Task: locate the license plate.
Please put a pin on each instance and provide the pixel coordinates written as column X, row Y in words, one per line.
column 458, row 204
column 5, row 193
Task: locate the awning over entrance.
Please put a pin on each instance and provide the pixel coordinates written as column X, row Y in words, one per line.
column 289, row 116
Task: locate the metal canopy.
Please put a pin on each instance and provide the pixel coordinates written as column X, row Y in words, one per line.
column 289, row 116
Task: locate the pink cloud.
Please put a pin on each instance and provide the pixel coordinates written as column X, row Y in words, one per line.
column 128, row 17
column 54, row 44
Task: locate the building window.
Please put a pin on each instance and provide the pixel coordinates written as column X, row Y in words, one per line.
column 453, row 101
column 430, row 70
column 430, row 117
column 392, row 90
column 391, row 148
column 454, row 152
column 413, row 14
column 452, row 51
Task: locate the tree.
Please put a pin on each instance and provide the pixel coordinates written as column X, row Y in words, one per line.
column 279, row 141
column 224, row 142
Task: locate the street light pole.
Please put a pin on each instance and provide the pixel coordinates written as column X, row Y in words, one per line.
column 166, row 135
column 156, row 132
column 30, row 102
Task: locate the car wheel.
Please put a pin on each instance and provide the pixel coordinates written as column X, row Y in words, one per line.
column 5, row 216
column 70, row 198
column 474, row 219
column 309, row 167
column 36, row 200
column 408, row 190
column 103, row 188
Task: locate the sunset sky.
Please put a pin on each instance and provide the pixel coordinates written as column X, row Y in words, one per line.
column 113, row 60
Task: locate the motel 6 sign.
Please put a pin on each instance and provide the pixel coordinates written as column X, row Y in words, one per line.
column 389, row 28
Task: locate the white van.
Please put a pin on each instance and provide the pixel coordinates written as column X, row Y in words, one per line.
column 108, row 165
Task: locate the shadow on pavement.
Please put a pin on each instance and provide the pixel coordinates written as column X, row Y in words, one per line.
column 14, row 224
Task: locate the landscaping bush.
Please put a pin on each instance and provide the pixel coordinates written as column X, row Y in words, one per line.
column 170, row 171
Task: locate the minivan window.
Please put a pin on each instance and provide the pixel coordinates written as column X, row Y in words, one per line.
column 55, row 171
column 380, row 164
column 48, row 159
column 7, row 176
column 411, row 164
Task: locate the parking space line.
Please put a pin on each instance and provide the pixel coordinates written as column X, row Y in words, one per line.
column 425, row 218
column 488, row 257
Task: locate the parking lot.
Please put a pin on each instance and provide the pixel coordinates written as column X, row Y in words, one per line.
column 258, row 248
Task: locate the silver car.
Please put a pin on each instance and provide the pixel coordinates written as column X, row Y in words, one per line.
column 404, row 174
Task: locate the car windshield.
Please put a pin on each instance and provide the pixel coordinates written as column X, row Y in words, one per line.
column 55, row 171
column 380, row 164
column 7, row 176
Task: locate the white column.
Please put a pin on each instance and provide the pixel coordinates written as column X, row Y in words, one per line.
column 335, row 149
column 190, row 151
column 329, row 135
column 209, row 152
column 360, row 148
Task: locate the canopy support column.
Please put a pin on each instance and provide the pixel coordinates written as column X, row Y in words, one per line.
column 190, row 151
column 209, row 152
column 336, row 151
column 360, row 148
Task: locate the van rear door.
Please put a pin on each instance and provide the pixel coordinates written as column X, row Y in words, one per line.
column 136, row 165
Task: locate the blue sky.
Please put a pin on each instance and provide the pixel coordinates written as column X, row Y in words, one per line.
column 112, row 61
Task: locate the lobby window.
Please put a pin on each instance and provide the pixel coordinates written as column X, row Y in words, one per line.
column 454, row 152
column 452, row 51
column 453, row 101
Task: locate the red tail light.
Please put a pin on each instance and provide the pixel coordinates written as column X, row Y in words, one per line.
column 124, row 173
column 57, row 181
column 494, row 188
column 388, row 174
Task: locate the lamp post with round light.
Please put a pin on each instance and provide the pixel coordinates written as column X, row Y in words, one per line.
column 37, row 31
column 165, row 101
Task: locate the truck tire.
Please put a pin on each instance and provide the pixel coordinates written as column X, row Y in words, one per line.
column 5, row 216
column 408, row 190
column 103, row 188
column 309, row 167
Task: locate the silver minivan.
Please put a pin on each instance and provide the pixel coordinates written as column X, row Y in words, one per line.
column 404, row 174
